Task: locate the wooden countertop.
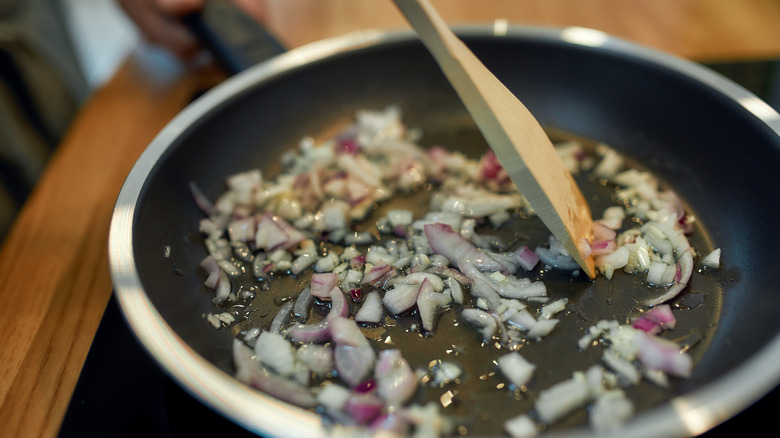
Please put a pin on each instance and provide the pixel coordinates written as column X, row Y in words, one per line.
column 53, row 265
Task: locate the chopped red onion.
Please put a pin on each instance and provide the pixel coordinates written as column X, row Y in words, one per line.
column 522, row 320
column 242, row 230
column 660, row 354
column 339, row 306
column 363, row 407
column 317, row 332
column 210, row 265
column 395, row 380
column 303, row 303
column 273, row 233
column 368, row 385
column 318, row 358
column 353, row 355
column 353, row 364
column 223, row 288
column 347, row 146
column 600, row 247
column 482, row 320
column 323, row 283
column 281, row 318
column 378, row 273
column 370, row 311
column 401, row 298
column 527, row 258
column 344, row 331
column 655, row 320
column 445, row 241
column 603, row 232
column 428, row 303
column 249, row 370
column 356, row 294
column 426, row 264
column 276, row 352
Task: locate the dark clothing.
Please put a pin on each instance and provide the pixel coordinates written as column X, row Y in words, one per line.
column 41, row 88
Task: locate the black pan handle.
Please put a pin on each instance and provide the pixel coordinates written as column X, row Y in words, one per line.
column 236, row 40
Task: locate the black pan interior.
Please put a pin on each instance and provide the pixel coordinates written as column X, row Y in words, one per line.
column 721, row 160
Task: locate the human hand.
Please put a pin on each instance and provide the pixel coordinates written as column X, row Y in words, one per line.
column 158, row 21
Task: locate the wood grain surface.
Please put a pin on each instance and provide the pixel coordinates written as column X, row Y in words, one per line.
column 54, row 277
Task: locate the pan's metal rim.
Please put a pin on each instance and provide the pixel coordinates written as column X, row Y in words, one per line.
column 687, row 415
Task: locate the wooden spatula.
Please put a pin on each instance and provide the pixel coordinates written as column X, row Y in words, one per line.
column 519, row 142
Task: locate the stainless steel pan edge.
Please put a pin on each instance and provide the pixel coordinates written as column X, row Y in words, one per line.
column 686, row 415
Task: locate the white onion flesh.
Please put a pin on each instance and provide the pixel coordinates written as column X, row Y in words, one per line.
column 516, row 368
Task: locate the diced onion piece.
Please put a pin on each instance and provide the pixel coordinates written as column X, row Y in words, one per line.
column 610, row 411
column 317, row 332
column 551, row 309
column 428, row 303
column 353, row 355
column 655, row 320
column 516, row 368
column 303, row 303
column 353, row 364
column 339, row 305
column 522, row 320
column 249, row 370
column 333, row 396
column 276, row 352
column 370, row 311
column 401, row 298
column 323, row 283
column 363, row 407
column 712, row 260
column 482, row 320
column 560, row 399
column 401, row 218
column 447, row 242
column 542, row 328
column 622, row 367
column 521, row 426
column 273, row 233
column 456, row 290
column 660, row 354
column 600, row 247
column 396, row 382
column 318, row 358
column 211, row 267
column 378, row 273
column 281, row 318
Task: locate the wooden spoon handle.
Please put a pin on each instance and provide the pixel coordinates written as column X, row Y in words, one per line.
column 519, row 142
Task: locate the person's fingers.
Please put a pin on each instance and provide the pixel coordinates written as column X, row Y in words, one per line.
column 158, row 22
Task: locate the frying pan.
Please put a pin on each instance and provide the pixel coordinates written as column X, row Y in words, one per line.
column 714, row 143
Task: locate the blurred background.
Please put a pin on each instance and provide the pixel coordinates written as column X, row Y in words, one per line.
column 103, row 36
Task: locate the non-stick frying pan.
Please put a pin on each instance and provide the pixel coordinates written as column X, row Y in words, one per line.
column 714, row 143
